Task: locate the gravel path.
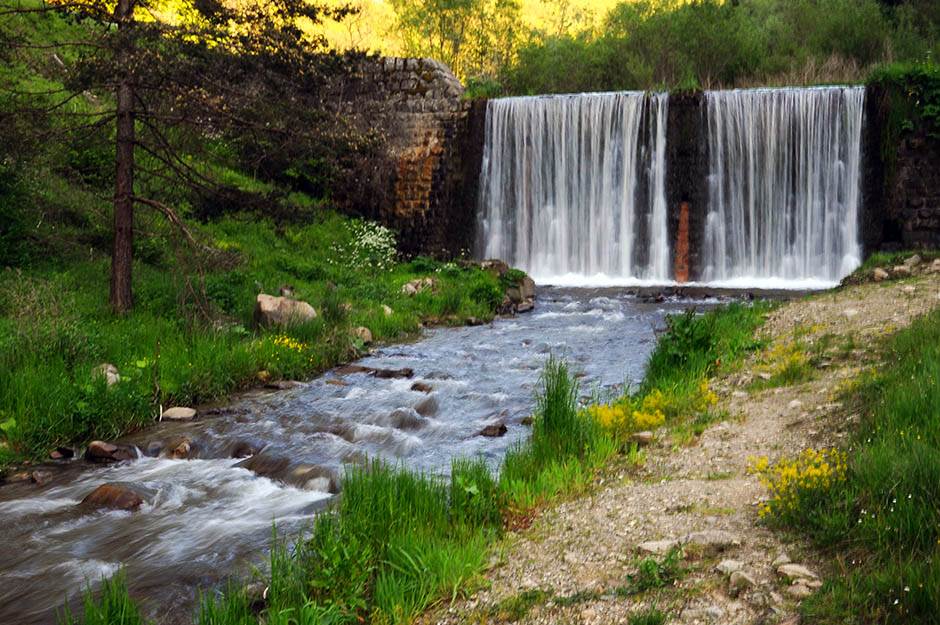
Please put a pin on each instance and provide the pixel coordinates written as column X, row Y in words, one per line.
column 566, row 567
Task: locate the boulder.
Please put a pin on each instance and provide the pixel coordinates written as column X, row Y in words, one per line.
column 405, row 419
column 427, row 407
column 178, row 413
column 525, row 306
column 107, row 371
column 913, row 261
column 243, row 449
column 494, row 430
column 265, row 465
column 901, row 271
column 527, row 287
column 271, row 311
column 799, row 591
column 421, row 387
column 62, row 453
column 363, row 334
column 404, row 372
column 641, row 438
column 880, row 274
column 100, row 451
column 314, row 477
column 283, row 385
column 780, row 560
column 115, row 496
column 729, row 566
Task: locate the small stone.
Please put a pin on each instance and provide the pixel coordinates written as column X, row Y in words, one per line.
column 909, row 289
column 763, row 375
column 641, row 438
column 387, row 310
column 850, row 312
column 739, row 581
column 739, row 394
column 427, row 407
column 913, row 261
column 418, row 285
column 180, row 449
column 526, row 421
column 780, row 560
column 364, row 334
column 525, row 306
column 588, row 614
column 263, row 376
column 421, row 387
column 799, row 591
column 281, row 311
column 729, row 566
column 494, row 430
column 901, row 271
column 880, row 274
column 337, row 382
column 657, row 547
column 40, row 478
column 100, row 451
column 178, row 413
column 795, row 571
column 795, row 404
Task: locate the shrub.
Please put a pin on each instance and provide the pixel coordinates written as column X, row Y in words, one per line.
column 796, row 484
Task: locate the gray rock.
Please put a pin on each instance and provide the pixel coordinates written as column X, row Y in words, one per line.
column 729, row 566
column 100, row 451
column 780, row 560
column 795, row 572
column 273, row 311
column 657, row 547
column 712, row 542
column 913, row 261
column 799, row 591
column 178, row 413
column 364, row 334
column 418, row 285
column 739, row 581
column 427, row 407
column 107, row 371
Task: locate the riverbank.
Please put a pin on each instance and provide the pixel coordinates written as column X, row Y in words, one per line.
column 687, row 523
column 192, row 337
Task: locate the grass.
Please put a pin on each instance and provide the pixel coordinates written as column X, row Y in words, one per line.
column 55, row 327
column 396, row 543
column 883, row 514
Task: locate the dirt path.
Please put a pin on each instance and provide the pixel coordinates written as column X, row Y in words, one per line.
column 566, row 567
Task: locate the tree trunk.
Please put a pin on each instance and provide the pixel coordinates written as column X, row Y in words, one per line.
column 122, row 253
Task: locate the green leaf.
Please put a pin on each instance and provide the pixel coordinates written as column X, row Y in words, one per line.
column 8, row 426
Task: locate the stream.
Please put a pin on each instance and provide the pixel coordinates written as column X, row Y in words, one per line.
column 206, row 519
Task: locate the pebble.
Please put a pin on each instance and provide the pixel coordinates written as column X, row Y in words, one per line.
column 799, row 591
column 780, row 560
column 739, row 581
column 796, row 403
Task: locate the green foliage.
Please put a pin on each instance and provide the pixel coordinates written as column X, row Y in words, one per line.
column 649, row 616
column 655, row 573
column 111, row 605
column 712, row 43
column 516, row 607
column 914, row 93
column 885, row 510
column 695, row 346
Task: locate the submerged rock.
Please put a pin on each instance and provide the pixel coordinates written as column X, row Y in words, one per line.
column 494, row 430
column 421, row 387
column 100, row 451
column 115, row 496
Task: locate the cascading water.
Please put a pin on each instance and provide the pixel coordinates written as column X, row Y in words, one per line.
column 573, row 187
column 783, row 184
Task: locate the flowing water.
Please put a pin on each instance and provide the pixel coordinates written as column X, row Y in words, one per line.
column 206, row 519
column 783, row 184
column 575, row 185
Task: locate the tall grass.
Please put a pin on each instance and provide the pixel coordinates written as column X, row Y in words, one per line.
column 885, row 514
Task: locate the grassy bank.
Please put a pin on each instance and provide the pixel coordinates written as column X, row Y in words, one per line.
column 874, row 505
column 191, row 338
column 397, row 543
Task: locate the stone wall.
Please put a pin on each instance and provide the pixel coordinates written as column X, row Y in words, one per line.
column 425, row 119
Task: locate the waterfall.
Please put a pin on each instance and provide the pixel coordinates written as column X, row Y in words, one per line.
column 784, row 171
column 574, row 186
